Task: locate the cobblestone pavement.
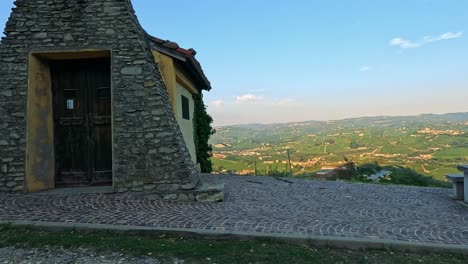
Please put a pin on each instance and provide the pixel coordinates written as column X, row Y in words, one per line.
column 269, row 206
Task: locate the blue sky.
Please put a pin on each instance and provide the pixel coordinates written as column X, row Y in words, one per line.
column 279, row 61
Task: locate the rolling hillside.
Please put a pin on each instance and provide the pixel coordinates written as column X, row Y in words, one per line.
column 429, row 144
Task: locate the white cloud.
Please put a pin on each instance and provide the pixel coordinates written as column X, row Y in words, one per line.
column 449, row 35
column 404, row 44
column 249, row 98
column 408, row 44
column 217, row 103
column 366, row 68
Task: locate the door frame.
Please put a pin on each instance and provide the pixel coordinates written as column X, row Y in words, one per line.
column 40, row 148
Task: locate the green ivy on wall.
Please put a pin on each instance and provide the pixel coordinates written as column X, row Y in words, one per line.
column 203, row 130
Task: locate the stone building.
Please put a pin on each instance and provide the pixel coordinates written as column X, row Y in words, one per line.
column 87, row 97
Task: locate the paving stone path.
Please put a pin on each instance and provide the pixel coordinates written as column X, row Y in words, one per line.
column 269, row 206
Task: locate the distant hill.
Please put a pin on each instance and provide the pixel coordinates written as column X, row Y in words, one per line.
column 429, row 144
column 364, row 121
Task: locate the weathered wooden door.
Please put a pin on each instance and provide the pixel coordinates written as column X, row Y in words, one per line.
column 82, row 116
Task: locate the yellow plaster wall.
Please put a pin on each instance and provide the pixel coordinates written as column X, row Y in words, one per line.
column 182, row 78
column 40, row 159
column 168, row 72
column 179, row 83
column 186, row 126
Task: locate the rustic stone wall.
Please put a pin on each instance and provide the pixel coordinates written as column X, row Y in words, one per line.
column 149, row 151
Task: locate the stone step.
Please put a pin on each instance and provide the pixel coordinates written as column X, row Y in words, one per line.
column 210, row 193
column 463, row 168
column 458, row 181
column 455, row 177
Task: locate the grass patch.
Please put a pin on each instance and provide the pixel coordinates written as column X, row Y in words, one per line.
column 209, row 251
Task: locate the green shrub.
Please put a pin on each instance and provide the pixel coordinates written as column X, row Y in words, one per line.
column 203, row 131
column 405, row 176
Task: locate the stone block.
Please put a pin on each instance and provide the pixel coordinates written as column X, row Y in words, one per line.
column 11, row 184
column 183, row 197
column 210, row 198
column 68, row 37
column 134, row 70
column 209, row 193
column 157, row 112
column 188, row 186
column 167, row 150
column 148, row 187
column 137, row 189
column 164, row 187
column 170, row 197
column 7, row 93
column 122, row 190
column 137, row 184
column 18, row 188
column 41, row 35
column 149, row 83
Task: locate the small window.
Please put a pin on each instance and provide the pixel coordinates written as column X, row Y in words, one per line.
column 185, row 108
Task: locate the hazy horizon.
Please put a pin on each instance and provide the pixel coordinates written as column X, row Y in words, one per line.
column 341, row 119
column 278, row 62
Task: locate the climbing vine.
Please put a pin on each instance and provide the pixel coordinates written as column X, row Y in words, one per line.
column 203, row 130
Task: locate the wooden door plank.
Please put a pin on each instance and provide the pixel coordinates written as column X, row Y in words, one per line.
column 100, row 120
column 71, row 143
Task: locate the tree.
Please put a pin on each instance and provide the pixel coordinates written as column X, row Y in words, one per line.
column 203, row 130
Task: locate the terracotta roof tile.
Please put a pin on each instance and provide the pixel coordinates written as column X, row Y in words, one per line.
column 174, row 46
column 188, row 53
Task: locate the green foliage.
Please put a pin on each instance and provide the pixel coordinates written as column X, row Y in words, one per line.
column 405, row 176
column 350, row 172
column 368, row 169
column 346, row 172
column 203, row 130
